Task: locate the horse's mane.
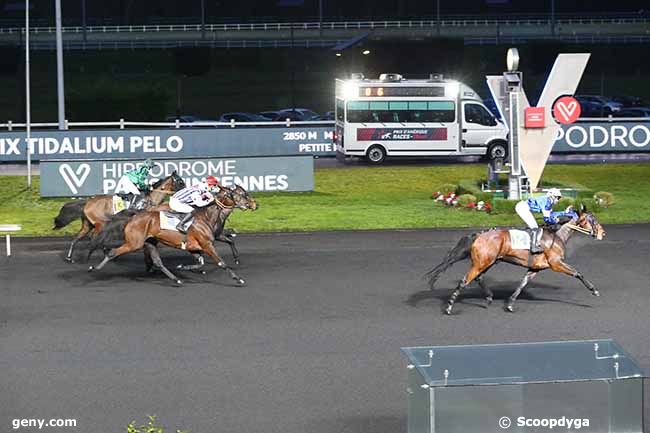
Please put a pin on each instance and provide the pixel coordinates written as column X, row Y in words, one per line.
column 159, row 182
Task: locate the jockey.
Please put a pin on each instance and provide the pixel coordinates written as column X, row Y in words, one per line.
column 188, row 199
column 543, row 205
column 135, row 181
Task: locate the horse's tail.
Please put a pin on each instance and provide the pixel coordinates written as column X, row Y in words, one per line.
column 460, row 252
column 68, row 213
column 112, row 233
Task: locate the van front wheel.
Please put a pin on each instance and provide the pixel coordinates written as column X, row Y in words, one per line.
column 376, row 154
column 497, row 150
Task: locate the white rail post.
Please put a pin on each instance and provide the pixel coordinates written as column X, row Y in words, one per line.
column 9, row 228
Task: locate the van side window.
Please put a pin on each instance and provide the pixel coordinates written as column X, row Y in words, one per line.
column 475, row 113
column 401, row 111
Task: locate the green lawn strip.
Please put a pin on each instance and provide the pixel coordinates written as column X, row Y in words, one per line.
column 368, row 198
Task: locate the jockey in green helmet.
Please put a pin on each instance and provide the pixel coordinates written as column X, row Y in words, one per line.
column 135, row 181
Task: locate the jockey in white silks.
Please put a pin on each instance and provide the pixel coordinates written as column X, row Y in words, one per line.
column 188, row 199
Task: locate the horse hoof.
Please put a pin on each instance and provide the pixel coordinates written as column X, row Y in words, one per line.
column 236, row 262
column 69, row 260
column 179, row 282
column 179, row 266
column 595, row 293
column 488, row 300
column 510, row 309
column 203, row 273
column 91, row 268
column 448, row 310
column 241, row 282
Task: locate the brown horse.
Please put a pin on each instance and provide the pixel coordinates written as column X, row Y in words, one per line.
column 143, row 230
column 489, row 247
column 97, row 211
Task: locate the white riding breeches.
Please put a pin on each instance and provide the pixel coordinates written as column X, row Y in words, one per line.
column 523, row 210
column 179, row 206
column 129, row 186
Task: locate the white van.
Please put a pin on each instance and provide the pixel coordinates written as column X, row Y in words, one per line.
column 393, row 116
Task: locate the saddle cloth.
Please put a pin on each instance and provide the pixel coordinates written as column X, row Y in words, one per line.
column 169, row 220
column 119, row 204
column 519, row 239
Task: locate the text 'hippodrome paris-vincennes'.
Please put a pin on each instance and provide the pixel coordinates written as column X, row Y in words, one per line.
column 93, row 145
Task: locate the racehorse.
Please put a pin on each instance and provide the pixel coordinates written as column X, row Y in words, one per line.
column 97, row 211
column 144, row 230
column 220, row 235
column 491, row 246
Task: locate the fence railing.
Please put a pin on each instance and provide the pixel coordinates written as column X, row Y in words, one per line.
column 335, row 25
column 123, row 124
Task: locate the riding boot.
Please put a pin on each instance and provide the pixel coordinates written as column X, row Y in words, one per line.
column 535, row 241
column 181, row 225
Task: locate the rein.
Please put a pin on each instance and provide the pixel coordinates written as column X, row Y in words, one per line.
column 223, row 206
column 578, row 229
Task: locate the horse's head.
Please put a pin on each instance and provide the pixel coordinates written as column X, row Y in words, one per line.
column 177, row 182
column 242, row 199
column 171, row 183
column 588, row 221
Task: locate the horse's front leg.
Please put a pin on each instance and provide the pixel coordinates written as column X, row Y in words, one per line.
column 227, row 240
column 208, row 248
column 511, row 301
column 560, row 266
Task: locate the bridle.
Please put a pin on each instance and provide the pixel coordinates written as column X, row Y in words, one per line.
column 583, row 230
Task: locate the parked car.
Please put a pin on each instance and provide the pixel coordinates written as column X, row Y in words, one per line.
column 640, row 112
column 628, row 101
column 269, row 114
column 593, row 109
column 327, row 116
column 607, row 105
column 185, row 118
column 242, row 117
column 297, row 114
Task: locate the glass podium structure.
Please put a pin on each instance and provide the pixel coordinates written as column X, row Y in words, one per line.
column 586, row 386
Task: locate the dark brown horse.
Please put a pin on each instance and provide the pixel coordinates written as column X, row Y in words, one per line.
column 143, row 230
column 489, row 247
column 97, row 211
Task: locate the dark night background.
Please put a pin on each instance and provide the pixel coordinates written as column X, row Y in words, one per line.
column 140, row 12
column 144, row 84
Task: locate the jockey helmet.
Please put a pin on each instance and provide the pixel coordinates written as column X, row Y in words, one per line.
column 211, row 181
column 148, row 163
column 554, row 193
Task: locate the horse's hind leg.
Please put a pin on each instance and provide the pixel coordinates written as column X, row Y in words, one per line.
column 489, row 295
column 511, row 301
column 200, row 262
column 155, row 257
column 115, row 252
column 85, row 229
column 474, row 272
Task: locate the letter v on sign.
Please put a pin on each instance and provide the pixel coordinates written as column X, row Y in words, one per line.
column 535, row 144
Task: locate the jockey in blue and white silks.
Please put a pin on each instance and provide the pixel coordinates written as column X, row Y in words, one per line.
column 543, row 205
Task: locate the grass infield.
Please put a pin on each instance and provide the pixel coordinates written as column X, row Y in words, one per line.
column 364, row 198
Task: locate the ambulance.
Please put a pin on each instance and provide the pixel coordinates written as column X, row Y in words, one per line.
column 394, row 116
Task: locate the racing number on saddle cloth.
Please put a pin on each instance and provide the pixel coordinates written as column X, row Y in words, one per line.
column 519, row 239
